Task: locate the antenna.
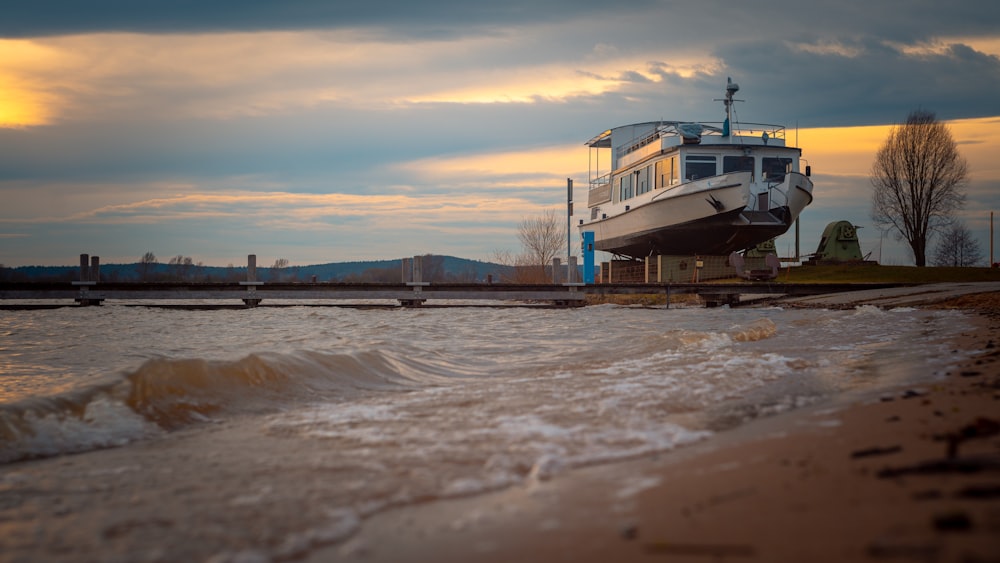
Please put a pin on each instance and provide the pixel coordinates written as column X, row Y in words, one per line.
column 731, row 88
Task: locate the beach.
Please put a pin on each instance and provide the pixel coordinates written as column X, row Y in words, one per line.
column 912, row 475
column 423, row 456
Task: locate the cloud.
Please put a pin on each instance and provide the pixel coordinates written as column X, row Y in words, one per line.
column 26, row 18
column 419, row 127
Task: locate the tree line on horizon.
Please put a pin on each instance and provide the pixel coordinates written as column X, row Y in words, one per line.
column 180, row 268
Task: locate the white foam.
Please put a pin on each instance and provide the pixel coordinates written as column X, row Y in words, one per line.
column 342, row 523
column 106, row 422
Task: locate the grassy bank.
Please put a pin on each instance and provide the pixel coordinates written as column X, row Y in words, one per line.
column 885, row 274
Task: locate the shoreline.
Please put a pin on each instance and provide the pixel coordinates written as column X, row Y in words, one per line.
column 912, row 475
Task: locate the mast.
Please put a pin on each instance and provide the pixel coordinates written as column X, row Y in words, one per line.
column 731, row 88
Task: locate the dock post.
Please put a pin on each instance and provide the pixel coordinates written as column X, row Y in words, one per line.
column 251, row 300
column 95, row 269
column 407, row 273
column 84, row 267
column 88, row 277
column 573, row 275
column 418, row 269
column 556, row 271
column 416, row 281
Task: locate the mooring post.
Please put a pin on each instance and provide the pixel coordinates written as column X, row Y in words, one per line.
column 95, row 268
column 86, row 280
column 84, row 267
column 251, row 300
column 418, row 269
column 556, row 271
column 574, row 274
column 416, row 282
column 407, row 273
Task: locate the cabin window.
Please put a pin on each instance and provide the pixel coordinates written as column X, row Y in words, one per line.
column 643, row 180
column 666, row 172
column 699, row 166
column 737, row 164
column 626, row 187
column 774, row 169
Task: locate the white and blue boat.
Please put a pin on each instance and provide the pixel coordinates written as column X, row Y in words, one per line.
column 693, row 188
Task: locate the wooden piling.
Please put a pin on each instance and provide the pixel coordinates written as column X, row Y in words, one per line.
column 407, row 273
column 251, row 300
column 251, row 267
column 418, row 269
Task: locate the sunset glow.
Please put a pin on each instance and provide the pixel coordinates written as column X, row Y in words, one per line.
column 436, row 134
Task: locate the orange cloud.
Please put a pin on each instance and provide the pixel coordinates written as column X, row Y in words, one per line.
column 851, row 150
column 25, row 98
column 230, row 74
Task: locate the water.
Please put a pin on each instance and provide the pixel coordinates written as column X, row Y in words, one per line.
column 375, row 408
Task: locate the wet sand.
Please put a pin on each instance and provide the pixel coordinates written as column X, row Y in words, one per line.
column 912, row 474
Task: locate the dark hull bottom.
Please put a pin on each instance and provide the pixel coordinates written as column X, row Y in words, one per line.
column 718, row 236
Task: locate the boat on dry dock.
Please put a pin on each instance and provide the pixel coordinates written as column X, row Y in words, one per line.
column 686, row 188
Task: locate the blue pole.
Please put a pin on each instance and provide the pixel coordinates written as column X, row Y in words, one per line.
column 587, row 248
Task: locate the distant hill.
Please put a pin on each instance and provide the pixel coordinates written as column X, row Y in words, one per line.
column 436, row 268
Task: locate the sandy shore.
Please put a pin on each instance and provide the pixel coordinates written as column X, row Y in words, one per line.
column 910, row 475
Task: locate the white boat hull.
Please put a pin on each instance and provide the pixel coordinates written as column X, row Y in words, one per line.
column 707, row 217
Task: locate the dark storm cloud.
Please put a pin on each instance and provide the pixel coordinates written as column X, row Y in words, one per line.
column 873, row 83
column 405, row 17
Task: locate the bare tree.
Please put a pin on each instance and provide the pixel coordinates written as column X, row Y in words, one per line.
column 517, row 268
column 957, row 247
column 276, row 268
column 146, row 264
column 917, row 178
column 541, row 237
column 432, row 267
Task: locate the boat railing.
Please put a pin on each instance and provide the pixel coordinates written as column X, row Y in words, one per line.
column 600, row 191
column 708, row 128
column 775, row 197
column 600, row 181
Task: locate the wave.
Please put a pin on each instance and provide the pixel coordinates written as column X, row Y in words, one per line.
column 165, row 394
column 758, row 330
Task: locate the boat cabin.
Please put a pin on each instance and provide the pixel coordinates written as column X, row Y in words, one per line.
column 644, row 157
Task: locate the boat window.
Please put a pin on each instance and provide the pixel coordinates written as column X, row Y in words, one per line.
column 626, row 187
column 666, row 172
column 699, row 166
column 642, row 182
column 774, row 169
column 737, row 164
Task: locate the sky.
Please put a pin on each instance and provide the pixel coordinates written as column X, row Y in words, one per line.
column 320, row 131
